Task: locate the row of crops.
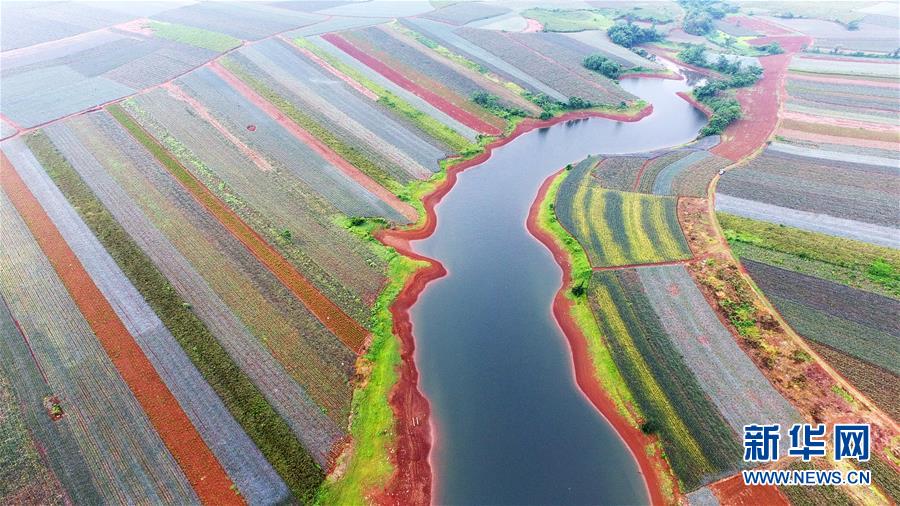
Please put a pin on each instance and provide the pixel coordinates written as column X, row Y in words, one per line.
column 830, row 195
column 837, row 293
column 615, row 227
column 682, row 172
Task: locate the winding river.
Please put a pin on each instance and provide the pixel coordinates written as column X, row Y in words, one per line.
column 511, row 426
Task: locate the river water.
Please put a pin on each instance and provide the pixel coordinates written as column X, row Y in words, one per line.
column 511, row 425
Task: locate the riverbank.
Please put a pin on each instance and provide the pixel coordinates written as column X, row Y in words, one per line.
column 592, row 362
column 388, row 458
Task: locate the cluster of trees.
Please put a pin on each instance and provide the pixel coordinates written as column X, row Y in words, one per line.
column 603, row 65
column 725, row 109
column 629, row 34
column 700, row 15
column 492, row 103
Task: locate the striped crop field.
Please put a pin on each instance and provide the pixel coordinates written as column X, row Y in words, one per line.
column 422, row 75
column 828, row 191
column 856, row 264
column 405, row 105
column 240, row 458
column 61, row 366
column 858, row 323
column 619, row 228
column 446, row 35
column 698, row 442
column 339, row 109
column 536, row 54
column 243, row 400
column 339, row 265
column 27, row 477
column 253, row 316
column 727, row 375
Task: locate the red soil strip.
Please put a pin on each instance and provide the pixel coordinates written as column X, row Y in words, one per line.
column 198, row 463
column 760, row 103
column 584, row 368
column 693, row 101
column 637, row 178
column 337, row 73
column 333, row 317
column 204, row 113
column 412, row 480
column 733, row 492
column 532, row 26
column 464, row 117
column 10, row 122
column 406, row 210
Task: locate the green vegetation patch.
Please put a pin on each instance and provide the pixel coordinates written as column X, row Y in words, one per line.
column 569, row 20
column 698, row 442
column 244, row 401
column 214, row 41
column 852, row 263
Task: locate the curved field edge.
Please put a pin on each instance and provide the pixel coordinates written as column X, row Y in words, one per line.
column 625, row 414
column 242, row 398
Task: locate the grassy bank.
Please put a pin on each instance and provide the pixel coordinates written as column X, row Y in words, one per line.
column 605, row 368
column 244, row 401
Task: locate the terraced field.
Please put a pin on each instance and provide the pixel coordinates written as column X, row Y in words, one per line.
column 618, row 228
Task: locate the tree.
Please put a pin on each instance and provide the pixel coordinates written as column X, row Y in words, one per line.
column 697, row 22
column 695, row 54
column 629, row 34
column 603, row 65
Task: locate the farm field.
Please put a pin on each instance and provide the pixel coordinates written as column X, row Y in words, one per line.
column 698, row 442
column 243, row 256
column 105, row 65
column 518, row 50
column 618, row 228
column 817, row 194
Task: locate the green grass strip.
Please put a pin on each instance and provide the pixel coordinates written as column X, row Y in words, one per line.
column 853, row 263
column 430, row 126
column 244, row 401
column 214, row 41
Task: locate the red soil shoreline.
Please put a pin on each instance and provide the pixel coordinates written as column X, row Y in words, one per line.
column 698, row 105
column 411, row 482
column 581, row 358
column 201, row 468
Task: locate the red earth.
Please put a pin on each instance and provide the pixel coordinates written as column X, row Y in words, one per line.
column 399, row 79
column 760, row 103
column 196, row 460
column 412, row 480
column 691, row 100
column 733, row 492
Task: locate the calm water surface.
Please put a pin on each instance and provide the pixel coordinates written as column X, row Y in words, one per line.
column 512, row 427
